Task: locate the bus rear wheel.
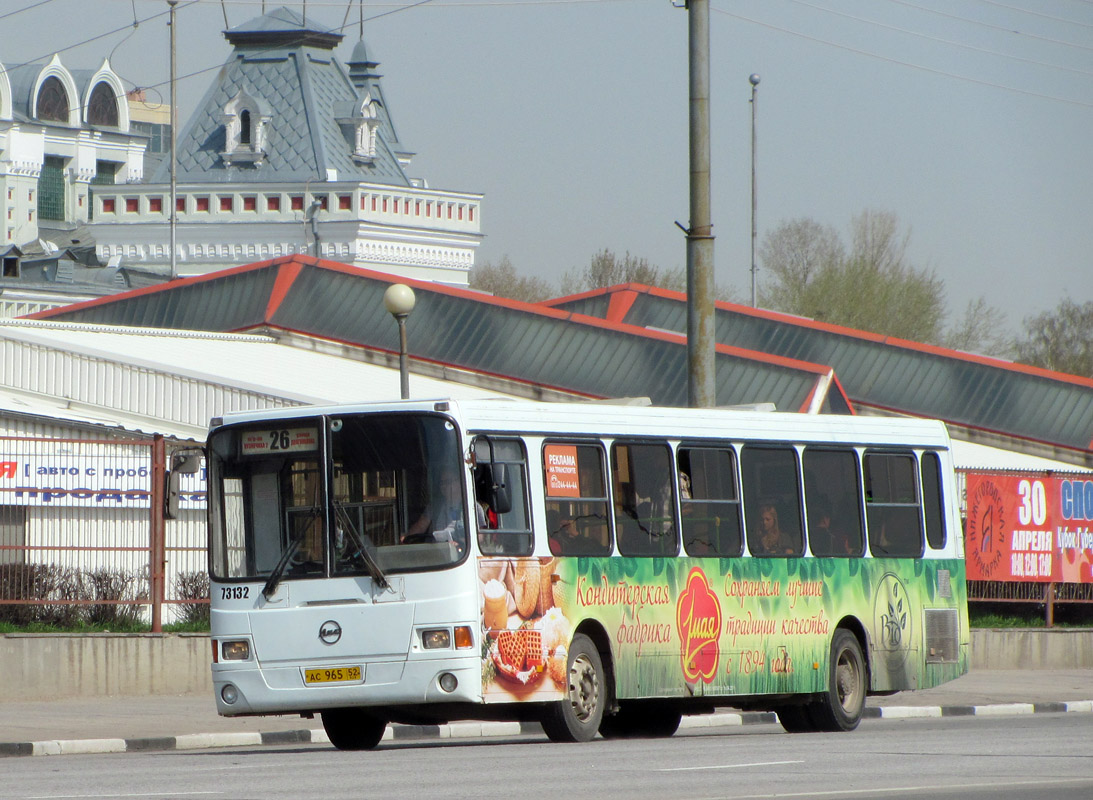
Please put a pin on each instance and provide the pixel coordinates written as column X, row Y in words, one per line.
column 796, row 718
column 576, row 718
column 353, row 728
column 840, row 708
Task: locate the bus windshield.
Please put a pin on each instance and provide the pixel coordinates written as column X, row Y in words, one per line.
column 329, row 496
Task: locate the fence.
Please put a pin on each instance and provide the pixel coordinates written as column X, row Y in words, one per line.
column 83, row 535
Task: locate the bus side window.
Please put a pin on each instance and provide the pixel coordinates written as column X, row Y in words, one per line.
column 891, row 505
column 930, row 467
column 503, row 532
column 576, row 499
column 833, row 502
column 708, row 501
column 641, row 484
column 772, row 501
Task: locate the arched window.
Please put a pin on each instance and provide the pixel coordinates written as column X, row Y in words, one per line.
column 102, row 109
column 52, row 101
column 244, row 127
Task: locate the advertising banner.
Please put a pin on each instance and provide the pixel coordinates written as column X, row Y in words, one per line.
column 1029, row 528
column 48, row 473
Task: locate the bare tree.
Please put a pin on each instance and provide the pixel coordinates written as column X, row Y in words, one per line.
column 982, row 329
column 871, row 287
column 1060, row 340
column 793, row 254
column 502, row 280
column 606, row 269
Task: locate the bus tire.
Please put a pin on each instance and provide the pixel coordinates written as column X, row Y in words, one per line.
column 353, row 728
column 795, row 718
column 639, row 720
column 840, row 708
column 577, row 717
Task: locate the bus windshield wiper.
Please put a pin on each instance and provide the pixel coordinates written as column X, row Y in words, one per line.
column 364, row 548
column 279, row 570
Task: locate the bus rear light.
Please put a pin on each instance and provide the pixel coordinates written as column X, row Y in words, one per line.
column 437, row 639
column 235, row 650
column 464, row 639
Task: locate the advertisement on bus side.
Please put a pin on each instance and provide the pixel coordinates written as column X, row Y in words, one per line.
column 681, row 627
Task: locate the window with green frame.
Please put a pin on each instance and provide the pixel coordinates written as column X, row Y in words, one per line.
column 106, row 174
column 51, row 189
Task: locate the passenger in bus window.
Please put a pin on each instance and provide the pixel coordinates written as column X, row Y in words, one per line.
column 562, row 532
column 771, row 537
column 825, row 538
column 483, row 486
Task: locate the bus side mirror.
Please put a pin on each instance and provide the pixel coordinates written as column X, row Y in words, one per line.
column 182, row 463
column 501, row 501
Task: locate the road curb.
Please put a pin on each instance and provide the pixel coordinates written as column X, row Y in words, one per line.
column 474, row 730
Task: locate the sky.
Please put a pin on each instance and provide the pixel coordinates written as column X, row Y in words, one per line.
column 970, row 120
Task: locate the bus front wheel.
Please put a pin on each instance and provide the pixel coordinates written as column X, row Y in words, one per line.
column 576, row 718
column 353, row 728
column 840, row 708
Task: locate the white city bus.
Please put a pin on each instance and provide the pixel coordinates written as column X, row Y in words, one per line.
column 596, row 568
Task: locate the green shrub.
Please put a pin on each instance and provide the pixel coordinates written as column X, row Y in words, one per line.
column 193, row 586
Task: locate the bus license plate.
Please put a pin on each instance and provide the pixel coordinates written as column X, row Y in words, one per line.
column 333, row 675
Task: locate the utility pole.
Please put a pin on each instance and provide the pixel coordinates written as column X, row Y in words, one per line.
column 701, row 391
column 173, row 218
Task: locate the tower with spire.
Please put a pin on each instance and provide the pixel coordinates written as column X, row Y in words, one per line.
column 290, row 151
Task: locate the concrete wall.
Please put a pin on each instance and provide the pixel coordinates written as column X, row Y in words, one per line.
column 46, row 666
column 1032, row 648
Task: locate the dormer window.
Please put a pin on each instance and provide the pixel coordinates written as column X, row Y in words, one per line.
column 363, row 119
column 245, row 129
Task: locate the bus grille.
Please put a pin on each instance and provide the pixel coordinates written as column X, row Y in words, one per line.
column 942, row 635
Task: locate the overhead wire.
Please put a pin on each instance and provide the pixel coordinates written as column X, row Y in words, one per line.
column 1039, row 14
column 408, row 6
column 938, row 39
column 989, row 25
column 912, row 65
column 25, row 8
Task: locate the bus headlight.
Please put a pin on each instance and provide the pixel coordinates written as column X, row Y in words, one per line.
column 448, row 682
column 235, row 650
column 229, row 694
column 436, row 639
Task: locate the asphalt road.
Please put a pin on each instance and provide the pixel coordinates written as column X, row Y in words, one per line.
column 1032, row 756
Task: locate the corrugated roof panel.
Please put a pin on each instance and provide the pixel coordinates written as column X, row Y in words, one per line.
column 914, row 379
column 448, row 326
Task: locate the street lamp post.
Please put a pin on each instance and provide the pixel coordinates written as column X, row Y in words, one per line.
column 399, row 301
column 173, row 218
column 754, row 80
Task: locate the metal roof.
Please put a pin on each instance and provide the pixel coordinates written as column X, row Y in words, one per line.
column 882, row 372
column 289, row 68
column 172, row 382
column 453, row 328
